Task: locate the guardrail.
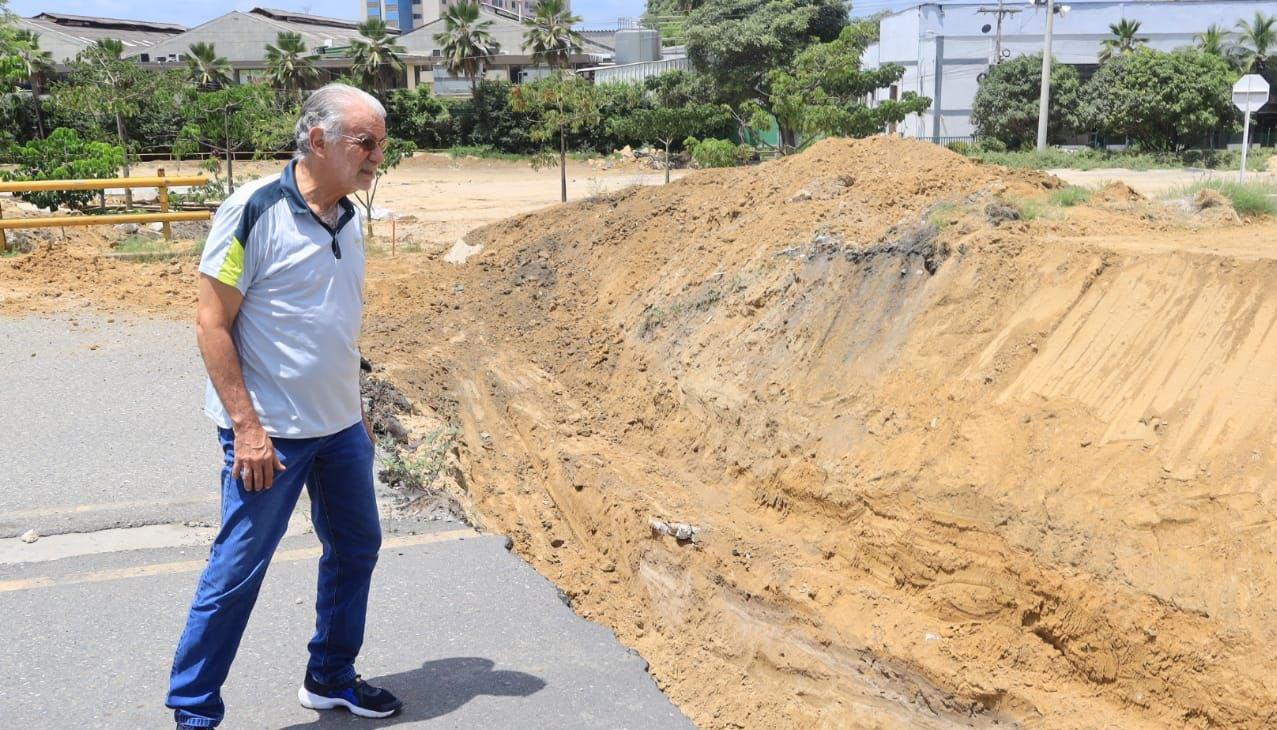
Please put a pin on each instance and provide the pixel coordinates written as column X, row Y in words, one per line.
column 160, row 181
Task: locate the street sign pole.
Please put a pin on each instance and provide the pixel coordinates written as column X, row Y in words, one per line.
column 1241, row 174
column 1250, row 94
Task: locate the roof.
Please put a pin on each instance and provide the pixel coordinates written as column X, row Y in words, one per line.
column 88, row 21
column 288, row 16
column 65, row 36
column 241, row 37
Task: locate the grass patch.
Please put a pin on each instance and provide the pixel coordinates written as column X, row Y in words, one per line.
column 940, row 214
column 143, row 244
column 1090, row 159
column 487, row 152
column 1069, row 196
column 1029, row 209
column 1248, row 199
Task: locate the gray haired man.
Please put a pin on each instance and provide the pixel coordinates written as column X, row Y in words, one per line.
column 280, row 302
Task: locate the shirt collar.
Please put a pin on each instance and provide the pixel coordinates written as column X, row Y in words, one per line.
column 288, row 182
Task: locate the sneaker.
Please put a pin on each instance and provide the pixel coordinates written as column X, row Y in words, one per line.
column 358, row 696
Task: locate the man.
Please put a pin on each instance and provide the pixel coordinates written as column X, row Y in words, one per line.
column 280, row 301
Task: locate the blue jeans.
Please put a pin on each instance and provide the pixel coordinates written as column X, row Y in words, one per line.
column 337, row 473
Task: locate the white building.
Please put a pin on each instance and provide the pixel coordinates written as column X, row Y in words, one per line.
column 945, row 48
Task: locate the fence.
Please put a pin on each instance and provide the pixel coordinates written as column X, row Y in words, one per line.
column 160, row 181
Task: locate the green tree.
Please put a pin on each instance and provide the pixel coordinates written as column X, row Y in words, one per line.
column 1157, row 100
column 559, row 103
column 549, row 36
column 679, row 88
column 737, row 43
column 822, row 93
column 394, row 153
column 418, row 116
column 206, row 69
column 234, row 119
column 375, row 56
column 1124, row 39
column 10, row 65
column 63, row 155
column 1255, row 43
column 35, row 66
column 287, row 66
column 103, row 86
column 488, row 118
column 1213, row 40
column 467, row 44
column 1006, row 103
column 667, row 124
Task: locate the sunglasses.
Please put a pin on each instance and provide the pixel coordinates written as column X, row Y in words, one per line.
column 367, row 143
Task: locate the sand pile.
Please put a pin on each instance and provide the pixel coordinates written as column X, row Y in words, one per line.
column 832, row 446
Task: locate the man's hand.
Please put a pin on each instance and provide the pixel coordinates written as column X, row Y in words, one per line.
column 255, row 459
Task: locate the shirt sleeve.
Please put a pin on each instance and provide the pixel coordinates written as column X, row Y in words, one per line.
column 225, row 257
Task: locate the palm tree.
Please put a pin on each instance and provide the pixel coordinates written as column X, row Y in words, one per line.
column 466, row 43
column 287, row 65
column 374, row 54
column 107, row 48
column 207, row 70
column 36, row 65
column 1123, row 40
column 1255, row 42
column 1213, row 40
column 550, row 36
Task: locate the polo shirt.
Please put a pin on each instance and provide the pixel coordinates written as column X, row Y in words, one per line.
column 298, row 326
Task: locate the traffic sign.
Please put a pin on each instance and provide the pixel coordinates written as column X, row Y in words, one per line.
column 1250, row 92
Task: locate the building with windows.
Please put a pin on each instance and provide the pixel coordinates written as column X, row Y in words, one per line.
column 65, row 36
column 407, row 15
column 425, row 63
column 946, row 48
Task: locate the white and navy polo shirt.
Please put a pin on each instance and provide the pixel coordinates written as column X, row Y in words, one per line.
column 298, row 327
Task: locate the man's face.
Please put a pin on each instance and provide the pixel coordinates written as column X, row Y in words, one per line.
column 345, row 159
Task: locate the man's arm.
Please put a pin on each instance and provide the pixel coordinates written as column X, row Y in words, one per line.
column 255, row 459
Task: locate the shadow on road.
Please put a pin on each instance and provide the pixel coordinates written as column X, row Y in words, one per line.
column 436, row 689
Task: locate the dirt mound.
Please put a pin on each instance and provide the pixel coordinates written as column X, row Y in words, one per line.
column 929, row 471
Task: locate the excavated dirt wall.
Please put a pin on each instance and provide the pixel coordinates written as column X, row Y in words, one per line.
column 938, row 466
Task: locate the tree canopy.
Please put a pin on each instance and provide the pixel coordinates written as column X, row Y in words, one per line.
column 1158, row 100
column 1006, row 104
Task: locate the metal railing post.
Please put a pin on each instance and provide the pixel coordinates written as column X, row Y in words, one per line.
column 168, row 227
column 4, row 240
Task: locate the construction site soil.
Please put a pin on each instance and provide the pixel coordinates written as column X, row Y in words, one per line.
column 871, row 436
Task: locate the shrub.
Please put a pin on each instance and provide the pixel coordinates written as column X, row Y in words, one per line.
column 418, row 116
column 712, row 152
column 64, row 155
column 1006, row 103
column 1158, row 100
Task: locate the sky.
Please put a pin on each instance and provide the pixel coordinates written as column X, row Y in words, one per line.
column 194, row 12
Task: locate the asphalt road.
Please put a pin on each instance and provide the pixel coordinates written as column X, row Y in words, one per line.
column 461, row 629
column 102, row 424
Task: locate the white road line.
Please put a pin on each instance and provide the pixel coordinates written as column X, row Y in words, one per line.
column 190, row 566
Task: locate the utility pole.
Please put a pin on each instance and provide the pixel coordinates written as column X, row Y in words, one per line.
column 1000, row 11
column 1043, row 102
